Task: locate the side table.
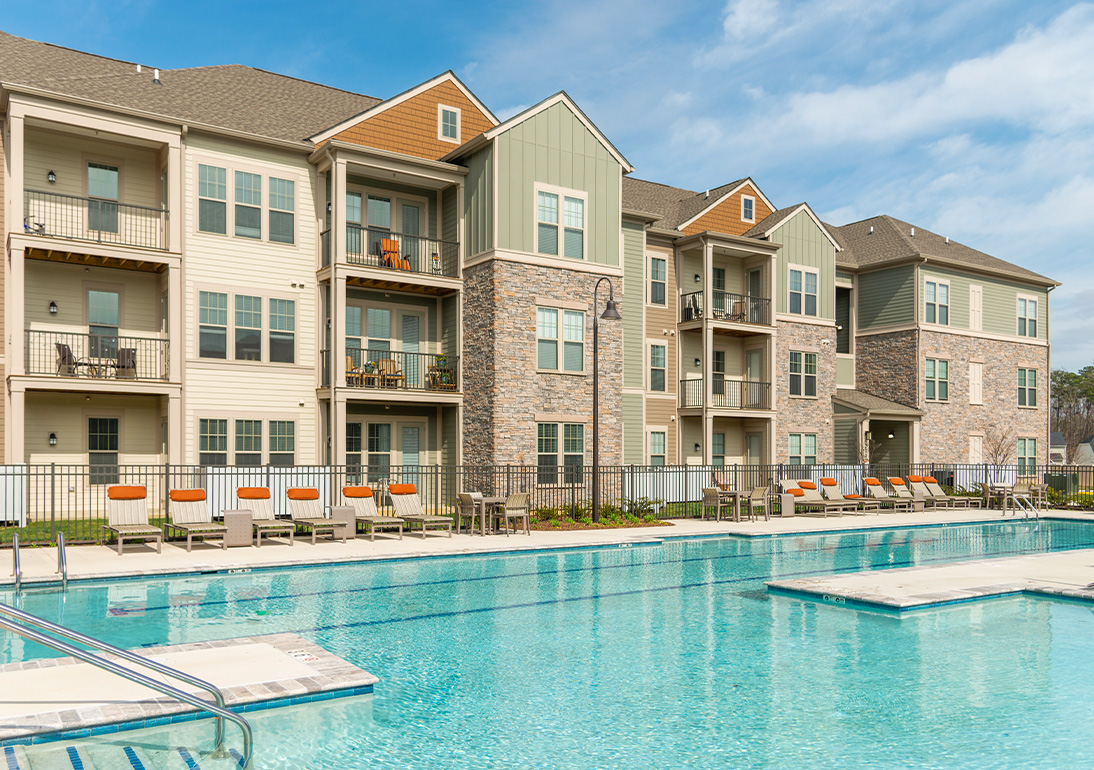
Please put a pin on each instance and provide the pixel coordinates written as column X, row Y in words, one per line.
column 238, row 522
column 786, row 505
column 348, row 516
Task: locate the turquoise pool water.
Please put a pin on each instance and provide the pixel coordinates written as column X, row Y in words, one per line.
column 669, row 655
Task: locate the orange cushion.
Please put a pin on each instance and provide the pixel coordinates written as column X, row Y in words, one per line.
column 303, row 493
column 126, row 493
column 930, row 479
column 828, row 482
column 915, row 479
column 896, row 481
column 872, row 482
column 853, row 497
column 402, row 489
column 795, row 492
column 357, row 491
column 807, row 485
column 187, row 495
column 253, row 493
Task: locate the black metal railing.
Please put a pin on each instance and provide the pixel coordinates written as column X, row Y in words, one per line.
column 727, row 394
column 376, row 247
column 39, row 501
column 735, row 308
column 396, row 370
column 58, row 215
column 98, row 356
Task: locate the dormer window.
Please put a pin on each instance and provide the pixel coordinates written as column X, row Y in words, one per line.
column 748, row 208
column 448, row 123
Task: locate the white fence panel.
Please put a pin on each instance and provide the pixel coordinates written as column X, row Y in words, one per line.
column 13, row 494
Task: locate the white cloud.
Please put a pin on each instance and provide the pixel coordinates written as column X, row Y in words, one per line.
column 748, row 18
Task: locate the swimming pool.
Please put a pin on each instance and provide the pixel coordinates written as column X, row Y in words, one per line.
column 666, row 655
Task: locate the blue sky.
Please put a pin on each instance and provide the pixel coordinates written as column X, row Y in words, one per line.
column 973, row 119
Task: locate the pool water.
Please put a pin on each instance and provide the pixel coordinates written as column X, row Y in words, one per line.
column 669, row 655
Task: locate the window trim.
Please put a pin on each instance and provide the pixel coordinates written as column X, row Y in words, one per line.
column 560, row 453
column 651, row 281
column 803, row 269
column 751, row 198
column 562, row 193
column 1019, row 318
column 230, row 327
column 265, row 173
column 440, row 123
column 650, row 367
column 803, row 375
column 560, row 340
column 801, row 449
column 1026, row 464
column 1025, row 390
column 936, row 379
column 948, row 304
column 87, row 415
column 650, row 431
column 263, row 417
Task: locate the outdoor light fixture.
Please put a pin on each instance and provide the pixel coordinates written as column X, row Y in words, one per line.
column 698, row 362
column 611, row 313
column 698, row 446
column 892, row 435
column 698, row 278
column 51, row 176
column 53, row 307
column 53, row 439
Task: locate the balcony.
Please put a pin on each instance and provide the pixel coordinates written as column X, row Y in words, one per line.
column 385, row 250
column 728, row 394
column 96, row 356
column 55, row 215
column 390, row 370
column 734, row 308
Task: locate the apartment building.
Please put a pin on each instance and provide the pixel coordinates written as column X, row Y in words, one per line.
column 226, row 266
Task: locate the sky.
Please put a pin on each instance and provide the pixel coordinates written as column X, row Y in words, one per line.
column 973, row 119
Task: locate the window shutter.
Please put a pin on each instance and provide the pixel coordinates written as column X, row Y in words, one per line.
column 976, row 382
column 976, row 310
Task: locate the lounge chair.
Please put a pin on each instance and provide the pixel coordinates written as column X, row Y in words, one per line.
column 516, row 507
column 307, row 512
column 190, row 515
column 712, row 498
column 812, row 498
column 901, row 491
column 874, row 490
column 831, row 490
column 257, row 501
column 364, row 506
column 127, row 516
column 404, row 497
column 958, row 501
column 758, row 498
column 917, row 486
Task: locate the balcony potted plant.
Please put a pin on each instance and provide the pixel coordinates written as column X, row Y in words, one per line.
column 442, row 362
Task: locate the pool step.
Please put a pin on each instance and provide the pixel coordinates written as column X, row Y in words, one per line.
column 112, row 756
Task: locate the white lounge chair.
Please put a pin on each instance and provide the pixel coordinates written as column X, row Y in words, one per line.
column 363, row 503
column 190, row 515
column 307, row 512
column 263, row 519
column 127, row 516
column 408, row 506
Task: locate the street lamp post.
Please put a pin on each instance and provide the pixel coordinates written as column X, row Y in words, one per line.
column 610, row 313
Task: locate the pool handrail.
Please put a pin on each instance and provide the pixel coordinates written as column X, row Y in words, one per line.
column 62, row 560
column 219, row 711
column 16, row 567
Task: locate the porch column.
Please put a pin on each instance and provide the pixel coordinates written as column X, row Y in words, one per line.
column 914, row 434
column 174, row 195
column 338, row 329
column 15, row 290
column 338, row 431
column 708, row 350
column 338, row 212
column 174, row 429
column 769, row 440
column 461, row 231
column 15, row 156
column 176, row 344
column 14, row 443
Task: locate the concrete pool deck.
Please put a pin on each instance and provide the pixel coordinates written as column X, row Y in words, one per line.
column 94, row 561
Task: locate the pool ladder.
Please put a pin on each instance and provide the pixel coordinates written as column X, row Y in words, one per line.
column 1024, row 504
column 62, row 561
column 44, row 632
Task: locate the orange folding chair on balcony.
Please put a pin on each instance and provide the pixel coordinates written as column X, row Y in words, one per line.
column 389, row 255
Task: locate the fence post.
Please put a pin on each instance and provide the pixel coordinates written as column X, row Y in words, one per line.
column 166, row 487
column 53, row 502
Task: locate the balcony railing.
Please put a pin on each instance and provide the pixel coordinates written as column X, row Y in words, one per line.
column 396, row 370
column 56, row 215
column 97, row 356
column 376, row 247
column 736, row 308
column 728, row 394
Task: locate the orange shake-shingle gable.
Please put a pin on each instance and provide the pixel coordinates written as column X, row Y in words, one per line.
column 411, row 127
column 725, row 217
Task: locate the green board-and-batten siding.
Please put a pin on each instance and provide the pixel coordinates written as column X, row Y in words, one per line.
column 805, row 244
column 554, row 147
column 1000, row 301
column 845, row 449
column 633, row 429
column 886, row 297
column 478, row 203
column 632, row 304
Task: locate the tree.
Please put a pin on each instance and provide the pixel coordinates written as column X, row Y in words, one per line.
column 1072, row 405
column 1000, row 446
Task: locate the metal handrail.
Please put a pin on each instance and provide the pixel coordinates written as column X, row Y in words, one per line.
column 16, row 567
column 62, row 560
column 218, row 711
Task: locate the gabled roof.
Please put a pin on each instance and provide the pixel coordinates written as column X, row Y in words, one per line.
column 1055, row 438
column 871, row 404
column 775, row 219
column 232, row 97
column 717, row 195
column 883, row 239
column 676, row 206
column 561, row 96
column 410, row 93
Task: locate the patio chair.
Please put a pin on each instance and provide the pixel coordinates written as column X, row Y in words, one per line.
column 127, row 516
column 712, row 498
column 354, row 376
column 812, row 498
column 516, row 507
column 875, row 490
column 830, row 489
column 363, row 503
column 390, row 375
column 758, row 498
column 263, row 519
column 67, row 363
column 307, row 512
column 408, row 506
column 126, row 364
column 467, row 506
column 917, row 486
column 190, row 515
column 957, row 501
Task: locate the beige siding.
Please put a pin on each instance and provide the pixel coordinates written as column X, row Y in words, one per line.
column 658, row 414
column 67, row 285
column 66, row 414
column 3, row 299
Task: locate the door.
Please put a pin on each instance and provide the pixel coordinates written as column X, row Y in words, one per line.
column 753, row 396
column 413, row 371
column 755, row 293
column 353, row 224
column 102, row 203
column 354, row 445
column 719, row 371
column 754, row 444
column 103, row 315
column 718, row 291
column 411, row 436
column 411, row 217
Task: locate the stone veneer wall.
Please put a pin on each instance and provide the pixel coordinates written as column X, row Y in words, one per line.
column 504, row 392
column 946, row 426
column 798, row 414
column 886, row 365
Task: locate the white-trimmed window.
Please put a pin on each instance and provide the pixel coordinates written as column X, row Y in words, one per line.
column 1027, row 317
column 248, row 328
column 241, row 340
column 657, row 447
column 548, row 457
column 936, row 302
column 803, row 374
column 248, row 210
column 937, row 372
column 283, row 331
column 212, row 442
column 212, row 324
column 748, row 208
column 448, row 123
column 282, row 442
column 551, row 204
column 718, row 449
column 379, row 449
column 248, row 442
column 802, row 299
column 212, row 199
column 1027, row 456
column 103, row 445
column 282, row 205
column 658, row 358
column 803, row 449
column 658, row 280
column 102, row 193
column 555, row 353
column 1027, row 387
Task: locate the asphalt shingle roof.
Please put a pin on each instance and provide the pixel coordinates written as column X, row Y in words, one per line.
column 231, row 96
column 872, row 403
column 674, row 205
column 766, row 224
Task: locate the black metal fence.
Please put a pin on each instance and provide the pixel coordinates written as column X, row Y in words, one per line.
column 728, row 306
column 38, row 501
column 727, row 394
column 58, row 215
column 74, row 354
